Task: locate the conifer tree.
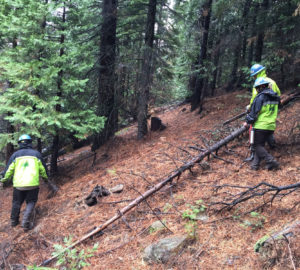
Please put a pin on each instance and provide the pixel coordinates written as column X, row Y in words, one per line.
column 107, row 105
column 35, row 66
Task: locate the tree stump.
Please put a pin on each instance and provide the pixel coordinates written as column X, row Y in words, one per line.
column 156, row 124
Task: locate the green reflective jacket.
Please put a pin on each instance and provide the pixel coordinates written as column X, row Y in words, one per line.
column 264, row 110
column 273, row 86
column 26, row 167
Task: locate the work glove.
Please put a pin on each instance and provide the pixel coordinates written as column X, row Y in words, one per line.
column 1, row 185
column 248, row 108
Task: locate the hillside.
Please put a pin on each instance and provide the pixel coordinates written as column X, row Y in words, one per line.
column 222, row 240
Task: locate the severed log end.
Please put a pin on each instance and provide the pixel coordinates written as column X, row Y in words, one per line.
column 156, row 124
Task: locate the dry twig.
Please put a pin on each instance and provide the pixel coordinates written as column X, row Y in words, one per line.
column 259, row 190
column 290, row 251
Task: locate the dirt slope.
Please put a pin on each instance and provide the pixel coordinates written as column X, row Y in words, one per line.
column 221, row 243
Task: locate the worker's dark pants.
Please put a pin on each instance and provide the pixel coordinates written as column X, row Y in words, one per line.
column 260, row 138
column 19, row 196
column 270, row 140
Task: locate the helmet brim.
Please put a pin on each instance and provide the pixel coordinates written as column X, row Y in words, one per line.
column 253, row 74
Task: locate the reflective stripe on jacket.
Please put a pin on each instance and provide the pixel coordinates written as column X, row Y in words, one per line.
column 264, row 110
column 273, row 86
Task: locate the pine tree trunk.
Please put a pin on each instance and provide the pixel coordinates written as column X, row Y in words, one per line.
column 204, row 22
column 245, row 28
column 253, row 33
column 235, row 64
column 10, row 128
column 145, row 78
column 216, row 58
column 107, row 99
column 9, row 147
column 240, row 48
column 261, row 34
column 54, row 155
column 55, row 143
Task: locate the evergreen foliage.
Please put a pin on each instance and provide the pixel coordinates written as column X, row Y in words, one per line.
column 52, row 64
column 32, row 69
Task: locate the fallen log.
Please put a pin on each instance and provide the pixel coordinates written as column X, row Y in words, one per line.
column 234, row 118
column 176, row 174
column 292, row 96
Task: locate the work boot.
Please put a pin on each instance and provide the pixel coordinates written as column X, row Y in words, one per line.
column 27, row 224
column 272, row 165
column 254, row 167
column 255, row 162
column 14, row 223
column 250, row 158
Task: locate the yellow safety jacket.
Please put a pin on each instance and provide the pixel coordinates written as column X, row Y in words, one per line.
column 26, row 167
column 273, row 86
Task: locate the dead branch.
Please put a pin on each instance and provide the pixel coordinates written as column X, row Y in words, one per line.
column 116, row 202
column 197, row 148
column 234, row 118
column 181, row 149
column 175, row 174
column 290, row 251
column 259, row 190
column 7, row 249
column 215, row 155
column 134, row 174
column 124, row 220
column 153, row 212
column 173, row 160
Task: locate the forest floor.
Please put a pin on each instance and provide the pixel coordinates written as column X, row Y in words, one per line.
column 223, row 240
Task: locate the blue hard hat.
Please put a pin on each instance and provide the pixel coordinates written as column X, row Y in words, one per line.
column 256, row 69
column 260, row 81
column 24, row 137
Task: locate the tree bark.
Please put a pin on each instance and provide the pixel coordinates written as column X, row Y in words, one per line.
column 244, row 30
column 253, row 33
column 204, row 22
column 240, row 48
column 55, row 142
column 107, row 98
column 10, row 128
column 145, row 78
column 261, row 32
column 10, row 147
